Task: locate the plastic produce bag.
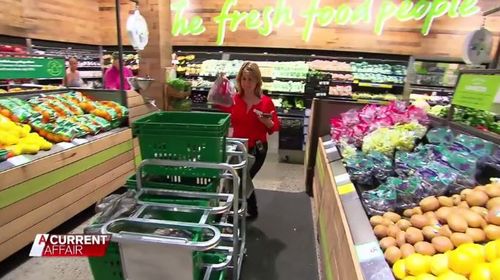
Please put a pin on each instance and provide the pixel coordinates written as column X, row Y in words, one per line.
column 439, row 177
column 116, row 206
column 488, row 167
column 382, row 166
column 475, row 145
column 440, row 135
column 379, row 200
column 221, row 92
column 360, row 170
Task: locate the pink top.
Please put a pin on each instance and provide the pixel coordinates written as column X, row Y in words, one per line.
column 112, row 78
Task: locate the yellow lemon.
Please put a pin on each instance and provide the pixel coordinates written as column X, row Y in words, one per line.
column 495, row 269
column 475, row 250
column 426, row 276
column 481, row 272
column 439, row 264
column 461, row 262
column 399, row 269
column 450, row 275
column 410, row 278
column 417, row 264
column 491, row 250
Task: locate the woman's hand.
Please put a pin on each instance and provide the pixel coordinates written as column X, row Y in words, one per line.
column 267, row 121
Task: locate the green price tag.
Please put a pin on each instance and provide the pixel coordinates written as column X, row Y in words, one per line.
column 31, row 68
column 476, row 91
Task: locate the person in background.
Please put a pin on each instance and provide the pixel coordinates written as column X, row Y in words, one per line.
column 112, row 75
column 253, row 116
column 72, row 78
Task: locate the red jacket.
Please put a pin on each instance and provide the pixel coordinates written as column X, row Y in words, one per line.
column 246, row 124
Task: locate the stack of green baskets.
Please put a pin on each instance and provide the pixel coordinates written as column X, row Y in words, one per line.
column 187, row 136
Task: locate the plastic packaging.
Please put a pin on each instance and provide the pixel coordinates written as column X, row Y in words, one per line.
column 474, row 145
column 380, row 200
column 221, row 92
column 440, row 135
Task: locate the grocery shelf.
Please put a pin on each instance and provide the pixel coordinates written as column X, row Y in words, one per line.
column 434, row 86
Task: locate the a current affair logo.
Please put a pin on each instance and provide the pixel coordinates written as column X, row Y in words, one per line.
column 70, row 245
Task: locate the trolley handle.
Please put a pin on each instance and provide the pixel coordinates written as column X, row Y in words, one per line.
column 138, row 237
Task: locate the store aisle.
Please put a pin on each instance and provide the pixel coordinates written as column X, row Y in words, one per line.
column 281, row 243
column 282, row 232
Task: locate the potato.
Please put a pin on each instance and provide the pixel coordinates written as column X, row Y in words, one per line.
column 476, row 198
column 463, row 204
column 464, row 193
column 406, row 250
column 387, row 242
column 380, row 231
column 442, row 244
column 400, row 238
column 429, row 232
column 408, row 213
column 459, row 238
column 473, row 219
column 480, row 210
column 492, row 232
column 425, row 248
column 456, row 199
column 392, row 216
column 480, row 188
column 457, row 223
column 493, row 202
column 376, row 220
column 417, row 211
column 477, row 234
column 387, row 222
column 445, row 201
column 443, row 213
column 403, row 224
column 445, row 231
column 393, row 230
column 494, row 215
column 413, row 235
column 493, row 190
column 392, row 254
column 419, row 221
column 429, row 203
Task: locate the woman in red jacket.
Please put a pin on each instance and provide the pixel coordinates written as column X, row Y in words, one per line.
column 253, row 116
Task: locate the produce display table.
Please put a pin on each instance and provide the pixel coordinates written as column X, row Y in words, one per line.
column 39, row 192
column 349, row 248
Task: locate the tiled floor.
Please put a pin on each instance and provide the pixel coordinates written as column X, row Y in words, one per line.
column 273, row 176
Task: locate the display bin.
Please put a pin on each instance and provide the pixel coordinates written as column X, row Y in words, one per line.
column 188, row 136
column 179, row 183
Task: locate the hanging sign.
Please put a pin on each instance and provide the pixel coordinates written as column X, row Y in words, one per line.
column 31, row 68
column 270, row 18
column 477, row 91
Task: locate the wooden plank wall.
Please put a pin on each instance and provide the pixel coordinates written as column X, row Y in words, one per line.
column 74, row 21
column 106, row 162
column 107, row 20
column 446, row 37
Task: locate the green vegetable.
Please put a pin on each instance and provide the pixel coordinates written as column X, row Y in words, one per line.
column 180, row 84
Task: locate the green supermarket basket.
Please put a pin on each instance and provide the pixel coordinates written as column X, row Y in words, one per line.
column 181, row 183
column 184, row 136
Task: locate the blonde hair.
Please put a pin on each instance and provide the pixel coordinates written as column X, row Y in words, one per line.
column 254, row 70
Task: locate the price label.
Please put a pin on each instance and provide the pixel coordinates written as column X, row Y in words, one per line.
column 18, row 160
column 347, row 188
column 368, row 251
column 80, row 141
column 342, row 179
column 66, row 145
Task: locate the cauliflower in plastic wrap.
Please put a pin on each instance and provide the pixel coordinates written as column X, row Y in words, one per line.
column 400, row 137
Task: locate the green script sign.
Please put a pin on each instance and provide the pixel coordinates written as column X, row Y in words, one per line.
column 272, row 17
column 31, row 68
column 476, row 91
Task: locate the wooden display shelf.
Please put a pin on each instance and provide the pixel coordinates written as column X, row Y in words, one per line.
column 349, row 248
column 40, row 195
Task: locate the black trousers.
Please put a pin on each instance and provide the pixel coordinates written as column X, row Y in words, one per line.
column 260, row 157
